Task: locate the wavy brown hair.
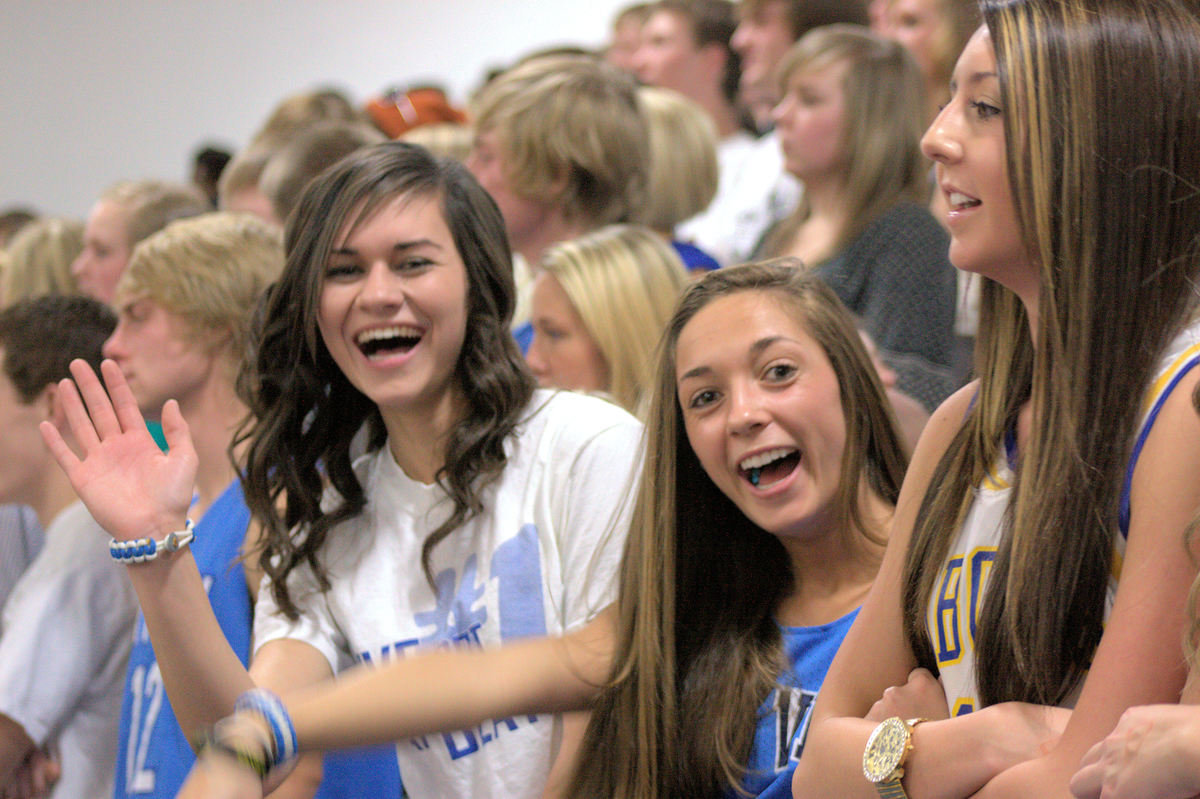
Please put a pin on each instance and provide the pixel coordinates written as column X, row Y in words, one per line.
column 1105, row 180
column 698, row 647
column 305, row 413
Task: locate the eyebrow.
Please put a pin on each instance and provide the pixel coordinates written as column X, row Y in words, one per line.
column 755, row 350
column 974, row 78
column 400, row 246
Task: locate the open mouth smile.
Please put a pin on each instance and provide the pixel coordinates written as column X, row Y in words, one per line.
column 767, row 468
column 959, row 201
column 381, row 342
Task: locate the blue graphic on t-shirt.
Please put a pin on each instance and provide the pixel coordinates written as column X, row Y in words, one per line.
column 516, row 564
column 459, row 612
column 457, row 604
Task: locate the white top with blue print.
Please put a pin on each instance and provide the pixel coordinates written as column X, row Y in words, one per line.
column 541, row 559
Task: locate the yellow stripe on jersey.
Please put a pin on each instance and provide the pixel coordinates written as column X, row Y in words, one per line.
column 994, row 480
column 1167, row 376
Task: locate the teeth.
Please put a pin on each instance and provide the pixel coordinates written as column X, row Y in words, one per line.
column 763, row 458
column 395, row 331
column 958, row 200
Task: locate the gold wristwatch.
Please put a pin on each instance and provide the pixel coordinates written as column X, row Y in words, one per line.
column 887, row 750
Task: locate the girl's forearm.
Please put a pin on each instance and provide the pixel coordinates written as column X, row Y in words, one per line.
column 447, row 690
column 202, row 674
column 950, row 759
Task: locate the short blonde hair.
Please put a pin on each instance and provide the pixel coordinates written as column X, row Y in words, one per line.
column 683, row 169
column 306, row 155
column 294, row 113
column 40, row 257
column 573, row 120
column 210, row 270
column 150, row 205
column 623, row 280
column 447, row 139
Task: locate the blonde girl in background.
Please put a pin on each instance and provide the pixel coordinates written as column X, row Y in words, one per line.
column 40, row 258
column 599, row 306
column 849, row 124
column 683, row 169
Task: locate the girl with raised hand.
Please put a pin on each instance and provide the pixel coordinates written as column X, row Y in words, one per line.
column 771, row 471
column 482, row 510
column 1037, row 561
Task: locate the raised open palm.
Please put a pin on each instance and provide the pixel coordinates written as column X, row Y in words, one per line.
column 132, row 488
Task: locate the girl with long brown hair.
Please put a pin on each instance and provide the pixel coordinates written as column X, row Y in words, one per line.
column 1034, row 586
column 409, row 478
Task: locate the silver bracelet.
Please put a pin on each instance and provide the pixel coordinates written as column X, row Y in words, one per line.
column 141, row 550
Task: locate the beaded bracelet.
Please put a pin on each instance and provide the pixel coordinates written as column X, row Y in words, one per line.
column 141, row 550
column 209, row 742
column 266, row 704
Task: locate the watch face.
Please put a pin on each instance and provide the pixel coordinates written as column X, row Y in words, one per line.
column 885, row 749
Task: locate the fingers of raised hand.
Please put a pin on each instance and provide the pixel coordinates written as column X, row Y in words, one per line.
column 58, row 447
column 124, row 404
column 99, row 418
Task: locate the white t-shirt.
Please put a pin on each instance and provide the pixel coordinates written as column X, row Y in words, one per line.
column 67, row 630
column 20, row 542
column 754, row 192
column 541, row 559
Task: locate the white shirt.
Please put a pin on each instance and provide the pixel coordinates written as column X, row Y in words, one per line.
column 541, row 559
column 67, row 631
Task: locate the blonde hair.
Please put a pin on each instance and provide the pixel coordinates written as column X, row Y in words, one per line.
column 683, row 168
column 573, row 135
column 150, row 205
column 210, row 270
column 243, row 172
column 311, row 151
column 884, row 119
column 294, row 113
column 447, row 139
column 40, row 257
column 623, row 281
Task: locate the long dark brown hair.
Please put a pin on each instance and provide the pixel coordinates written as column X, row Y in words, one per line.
column 1105, row 176
column 305, row 413
column 698, row 647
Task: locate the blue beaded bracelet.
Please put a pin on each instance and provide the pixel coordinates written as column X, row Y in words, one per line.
column 270, row 707
column 141, row 550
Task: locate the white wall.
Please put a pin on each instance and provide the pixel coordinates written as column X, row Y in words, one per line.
column 94, row 91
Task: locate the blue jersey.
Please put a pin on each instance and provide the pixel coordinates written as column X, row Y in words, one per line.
column 153, row 757
column 357, row 773
column 784, row 718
